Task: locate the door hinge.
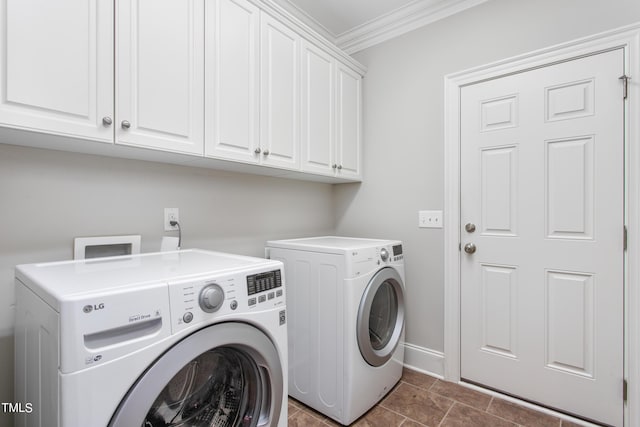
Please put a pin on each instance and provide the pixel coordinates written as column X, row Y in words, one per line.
column 625, row 85
column 624, row 237
column 624, row 390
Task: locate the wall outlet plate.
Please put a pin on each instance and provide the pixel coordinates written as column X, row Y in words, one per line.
column 171, row 214
column 430, row 219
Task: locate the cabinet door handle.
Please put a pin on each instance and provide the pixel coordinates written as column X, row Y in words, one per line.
column 266, row 152
column 257, row 150
column 125, row 124
column 339, row 167
column 107, row 121
column 334, row 166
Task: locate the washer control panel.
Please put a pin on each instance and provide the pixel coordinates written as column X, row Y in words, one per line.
column 197, row 300
column 264, row 287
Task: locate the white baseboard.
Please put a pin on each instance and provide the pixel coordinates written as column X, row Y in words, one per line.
column 424, row 360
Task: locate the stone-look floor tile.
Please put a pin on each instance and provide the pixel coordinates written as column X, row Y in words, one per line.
column 379, row 417
column 420, row 400
column 410, row 423
column 461, row 394
column 330, row 422
column 464, row 416
column 304, row 419
column 293, row 406
column 521, row 415
column 417, row 379
column 417, row 404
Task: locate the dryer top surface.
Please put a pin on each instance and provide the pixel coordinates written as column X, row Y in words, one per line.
column 331, row 244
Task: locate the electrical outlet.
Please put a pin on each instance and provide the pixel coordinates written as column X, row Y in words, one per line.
column 170, row 214
column 430, row 219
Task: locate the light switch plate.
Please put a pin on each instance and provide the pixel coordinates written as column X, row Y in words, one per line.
column 430, row 219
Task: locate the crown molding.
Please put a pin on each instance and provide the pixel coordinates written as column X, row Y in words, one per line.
column 400, row 21
column 292, row 16
column 304, row 17
column 413, row 15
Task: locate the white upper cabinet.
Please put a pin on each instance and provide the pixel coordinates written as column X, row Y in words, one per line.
column 280, row 95
column 318, row 112
column 57, row 66
column 331, row 115
column 232, row 80
column 217, row 79
column 349, row 123
column 160, row 74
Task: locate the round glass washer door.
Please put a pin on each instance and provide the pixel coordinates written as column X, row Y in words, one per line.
column 224, row 375
column 381, row 317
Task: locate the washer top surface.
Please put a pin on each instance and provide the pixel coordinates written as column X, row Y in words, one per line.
column 331, row 244
column 68, row 279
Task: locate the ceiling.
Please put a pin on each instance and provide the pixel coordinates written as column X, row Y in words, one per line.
column 340, row 16
column 354, row 25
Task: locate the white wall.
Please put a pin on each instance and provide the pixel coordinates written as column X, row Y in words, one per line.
column 48, row 197
column 403, row 128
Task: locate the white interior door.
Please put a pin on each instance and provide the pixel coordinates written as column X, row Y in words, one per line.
column 542, row 183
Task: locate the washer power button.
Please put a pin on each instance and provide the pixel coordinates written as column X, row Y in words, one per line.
column 188, row 317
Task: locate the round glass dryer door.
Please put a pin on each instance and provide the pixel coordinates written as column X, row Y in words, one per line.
column 381, row 317
column 224, row 375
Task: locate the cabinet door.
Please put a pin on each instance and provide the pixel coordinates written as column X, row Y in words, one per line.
column 317, row 110
column 232, row 80
column 56, row 66
column 160, row 75
column 279, row 88
column 349, row 123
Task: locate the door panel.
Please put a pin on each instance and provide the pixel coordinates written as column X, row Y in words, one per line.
column 499, row 290
column 569, row 174
column 542, row 156
column 499, row 190
column 161, row 74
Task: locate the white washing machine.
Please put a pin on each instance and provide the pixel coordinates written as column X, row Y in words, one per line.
column 185, row 338
column 345, row 300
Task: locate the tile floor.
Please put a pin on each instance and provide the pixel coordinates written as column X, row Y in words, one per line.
column 420, row 400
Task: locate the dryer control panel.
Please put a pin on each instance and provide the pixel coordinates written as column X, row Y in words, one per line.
column 397, row 253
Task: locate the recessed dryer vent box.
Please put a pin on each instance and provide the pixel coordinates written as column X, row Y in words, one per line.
column 105, row 246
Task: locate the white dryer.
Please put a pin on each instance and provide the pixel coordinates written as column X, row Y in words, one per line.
column 185, row 338
column 345, row 300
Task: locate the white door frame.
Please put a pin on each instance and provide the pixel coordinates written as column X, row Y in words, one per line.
column 626, row 37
